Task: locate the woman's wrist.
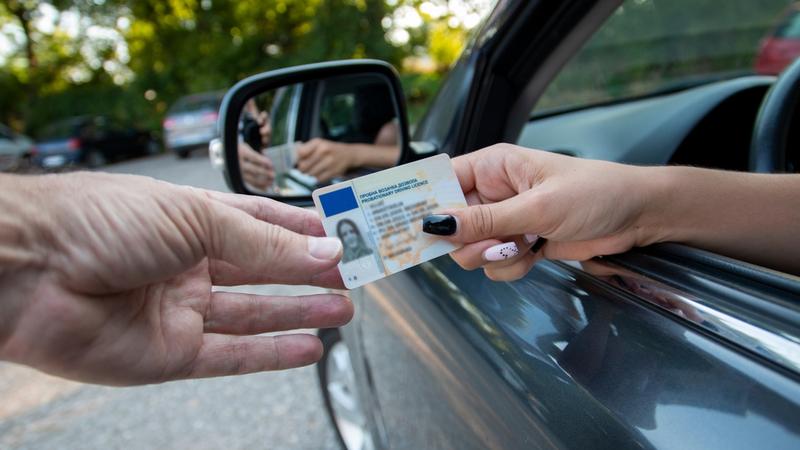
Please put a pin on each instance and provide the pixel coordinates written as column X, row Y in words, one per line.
column 356, row 155
column 658, row 219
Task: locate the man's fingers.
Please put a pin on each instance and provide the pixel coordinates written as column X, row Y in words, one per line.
column 239, row 239
column 299, row 220
column 235, row 313
column 226, row 274
column 222, row 355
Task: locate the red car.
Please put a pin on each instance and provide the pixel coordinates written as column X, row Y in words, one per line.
column 782, row 45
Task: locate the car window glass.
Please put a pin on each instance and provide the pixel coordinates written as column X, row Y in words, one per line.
column 336, row 113
column 59, row 130
column 652, row 46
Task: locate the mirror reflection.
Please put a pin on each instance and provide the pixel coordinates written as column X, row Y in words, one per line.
column 297, row 138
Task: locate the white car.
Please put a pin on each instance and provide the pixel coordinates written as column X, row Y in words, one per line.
column 14, row 148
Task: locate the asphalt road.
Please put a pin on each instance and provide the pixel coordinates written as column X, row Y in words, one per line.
column 280, row 410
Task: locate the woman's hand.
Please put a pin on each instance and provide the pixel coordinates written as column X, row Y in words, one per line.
column 325, row 159
column 587, row 208
column 108, row 279
column 584, row 208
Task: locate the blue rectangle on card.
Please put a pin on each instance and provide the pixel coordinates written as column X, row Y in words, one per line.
column 338, row 201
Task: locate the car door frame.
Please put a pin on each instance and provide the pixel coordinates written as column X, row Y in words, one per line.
column 495, row 89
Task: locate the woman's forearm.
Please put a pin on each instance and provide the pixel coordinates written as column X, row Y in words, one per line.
column 368, row 155
column 752, row 217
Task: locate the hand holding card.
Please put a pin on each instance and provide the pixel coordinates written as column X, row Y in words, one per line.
column 378, row 217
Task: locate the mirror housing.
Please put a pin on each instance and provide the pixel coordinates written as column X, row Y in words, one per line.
column 235, row 99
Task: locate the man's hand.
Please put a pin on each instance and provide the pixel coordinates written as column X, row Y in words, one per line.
column 108, row 279
column 257, row 169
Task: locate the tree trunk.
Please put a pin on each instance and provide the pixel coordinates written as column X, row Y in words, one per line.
column 24, row 16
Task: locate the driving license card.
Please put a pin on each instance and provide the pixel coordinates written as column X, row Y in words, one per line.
column 378, row 217
column 283, row 157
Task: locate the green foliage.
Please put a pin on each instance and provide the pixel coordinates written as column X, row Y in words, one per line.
column 172, row 48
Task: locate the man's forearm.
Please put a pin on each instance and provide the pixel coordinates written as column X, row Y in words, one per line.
column 752, row 217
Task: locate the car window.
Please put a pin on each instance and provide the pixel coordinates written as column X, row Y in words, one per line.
column 60, row 130
column 652, row 46
column 336, row 112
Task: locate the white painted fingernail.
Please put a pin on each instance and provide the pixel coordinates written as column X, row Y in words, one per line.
column 531, row 239
column 324, row 247
column 501, row 251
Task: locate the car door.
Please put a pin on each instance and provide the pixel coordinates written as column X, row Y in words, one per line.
column 666, row 347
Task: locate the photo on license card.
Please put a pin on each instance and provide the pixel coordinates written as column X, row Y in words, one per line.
column 378, row 217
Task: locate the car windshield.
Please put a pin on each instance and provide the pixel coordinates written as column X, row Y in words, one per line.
column 653, row 46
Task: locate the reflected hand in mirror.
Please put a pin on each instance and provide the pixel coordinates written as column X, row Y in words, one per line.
column 257, row 169
column 296, row 138
column 255, row 130
column 326, row 160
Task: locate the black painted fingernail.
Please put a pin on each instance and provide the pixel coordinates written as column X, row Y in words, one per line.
column 439, row 224
column 538, row 245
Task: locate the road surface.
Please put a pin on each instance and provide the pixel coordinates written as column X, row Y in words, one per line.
column 280, row 410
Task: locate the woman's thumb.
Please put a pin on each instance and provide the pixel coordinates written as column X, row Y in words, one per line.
column 479, row 222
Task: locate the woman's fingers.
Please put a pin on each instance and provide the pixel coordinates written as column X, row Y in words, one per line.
column 236, row 313
column 470, row 256
column 307, row 155
column 501, row 260
column 222, row 355
column 514, row 270
column 514, row 216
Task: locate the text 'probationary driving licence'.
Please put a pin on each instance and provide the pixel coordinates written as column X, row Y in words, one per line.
column 378, row 217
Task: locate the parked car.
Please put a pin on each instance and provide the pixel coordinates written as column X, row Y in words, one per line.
column 15, row 149
column 782, row 45
column 191, row 123
column 662, row 347
column 93, row 141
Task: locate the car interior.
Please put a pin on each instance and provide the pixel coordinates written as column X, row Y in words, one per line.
column 706, row 126
column 705, row 123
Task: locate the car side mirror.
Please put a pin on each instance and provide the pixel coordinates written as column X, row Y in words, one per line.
column 287, row 132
